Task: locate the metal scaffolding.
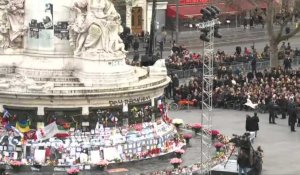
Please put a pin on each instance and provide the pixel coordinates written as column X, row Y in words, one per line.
column 207, row 90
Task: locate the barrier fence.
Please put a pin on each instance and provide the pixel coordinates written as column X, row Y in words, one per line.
column 243, row 67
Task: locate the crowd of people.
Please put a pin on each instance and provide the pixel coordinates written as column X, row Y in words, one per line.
column 182, row 59
column 275, row 90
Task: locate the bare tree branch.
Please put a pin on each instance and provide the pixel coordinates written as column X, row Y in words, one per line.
column 291, row 34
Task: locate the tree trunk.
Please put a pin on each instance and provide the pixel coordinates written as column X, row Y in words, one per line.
column 274, row 62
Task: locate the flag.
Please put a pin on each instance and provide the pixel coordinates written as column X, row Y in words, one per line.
column 47, row 132
column 6, row 114
column 17, row 131
column 22, row 127
column 165, row 116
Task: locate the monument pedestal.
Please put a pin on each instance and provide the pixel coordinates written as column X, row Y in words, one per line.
column 105, row 70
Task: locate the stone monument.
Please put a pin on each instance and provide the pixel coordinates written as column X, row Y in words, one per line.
column 68, row 54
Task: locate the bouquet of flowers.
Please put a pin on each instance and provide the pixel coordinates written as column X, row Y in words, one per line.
column 197, row 127
column 102, row 164
column 187, row 137
column 73, row 171
column 218, row 146
column 16, row 164
column 177, row 122
column 175, row 162
column 215, row 132
column 179, row 152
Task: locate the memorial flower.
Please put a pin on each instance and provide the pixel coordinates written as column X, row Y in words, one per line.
column 180, row 151
column 16, row 163
column 73, row 171
column 103, row 163
column 215, row 132
column 175, row 161
column 187, row 136
column 219, row 145
column 177, row 122
column 197, row 127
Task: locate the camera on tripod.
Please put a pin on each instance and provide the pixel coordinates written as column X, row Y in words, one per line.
column 242, row 141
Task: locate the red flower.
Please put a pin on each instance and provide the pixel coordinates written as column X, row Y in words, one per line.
column 187, row 136
column 175, row 161
column 180, row 151
column 197, row 126
column 219, row 145
column 215, row 132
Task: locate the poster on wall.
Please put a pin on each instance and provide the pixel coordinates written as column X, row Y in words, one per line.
column 61, row 30
column 40, row 33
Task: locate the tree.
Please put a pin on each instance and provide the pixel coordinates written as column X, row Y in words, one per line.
column 276, row 37
column 283, row 19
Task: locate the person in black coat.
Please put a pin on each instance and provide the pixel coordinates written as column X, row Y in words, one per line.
column 272, row 112
column 248, row 123
column 293, row 119
column 254, row 122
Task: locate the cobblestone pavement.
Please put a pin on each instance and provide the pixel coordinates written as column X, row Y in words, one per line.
column 281, row 147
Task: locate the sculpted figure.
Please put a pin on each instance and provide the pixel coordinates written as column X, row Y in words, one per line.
column 96, row 26
column 15, row 16
column 4, row 25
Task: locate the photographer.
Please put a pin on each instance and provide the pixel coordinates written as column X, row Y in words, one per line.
column 243, row 162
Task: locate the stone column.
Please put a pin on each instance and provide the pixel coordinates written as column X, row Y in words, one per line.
column 47, row 50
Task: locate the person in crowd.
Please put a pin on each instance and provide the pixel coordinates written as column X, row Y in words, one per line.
column 136, row 45
column 272, row 111
column 253, row 65
column 258, row 160
column 287, row 63
column 254, row 122
column 243, row 162
column 248, row 123
column 245, row 23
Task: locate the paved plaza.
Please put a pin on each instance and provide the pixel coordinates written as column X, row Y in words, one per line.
column 280, row 145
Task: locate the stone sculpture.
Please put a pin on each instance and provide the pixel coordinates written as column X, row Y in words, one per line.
column 96, row 27
column 12, row 23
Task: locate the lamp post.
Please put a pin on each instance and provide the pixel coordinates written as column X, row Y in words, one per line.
column 177, row 21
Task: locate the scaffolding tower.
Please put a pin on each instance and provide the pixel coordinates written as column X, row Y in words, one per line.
column 207, row 90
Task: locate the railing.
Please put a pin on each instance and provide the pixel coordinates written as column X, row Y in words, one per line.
column 245, row 67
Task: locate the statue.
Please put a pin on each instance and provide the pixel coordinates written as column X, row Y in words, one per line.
column 15, row 16
column 11, row 23
column 4, row 25
column 96, row 27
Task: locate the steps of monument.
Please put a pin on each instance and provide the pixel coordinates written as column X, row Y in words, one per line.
column 56, row 79
column 68, row 84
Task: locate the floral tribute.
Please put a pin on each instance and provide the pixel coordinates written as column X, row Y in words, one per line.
column 187, row 138
column 73, row 171
column 103, row 163
column 16, row 164
column 175, row 162
column 180, row 151
column 219, row 145
column 215, row 132
column 197, row 126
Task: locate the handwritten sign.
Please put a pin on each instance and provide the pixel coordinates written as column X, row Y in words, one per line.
column 129, row 101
